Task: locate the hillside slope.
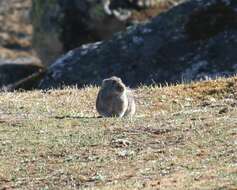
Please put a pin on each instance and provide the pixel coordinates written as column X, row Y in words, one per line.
column 182, row 137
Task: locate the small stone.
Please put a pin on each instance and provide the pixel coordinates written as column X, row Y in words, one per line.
column 125, row 153
column 121, row 142
column 98, row 177
column 223, row 110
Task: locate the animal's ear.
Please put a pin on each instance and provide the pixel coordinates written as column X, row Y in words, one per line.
column 119, row 87
column 116, row 78
column 104, row 81
column 120, row 80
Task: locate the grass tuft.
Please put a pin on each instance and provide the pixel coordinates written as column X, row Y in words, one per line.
column 182, row 137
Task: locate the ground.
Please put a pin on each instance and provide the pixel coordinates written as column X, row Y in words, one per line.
column 182, row 137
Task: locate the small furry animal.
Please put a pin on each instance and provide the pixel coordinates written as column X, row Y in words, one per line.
column 114, row 99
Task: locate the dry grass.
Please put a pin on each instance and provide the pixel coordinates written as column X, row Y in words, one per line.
column 182, row 137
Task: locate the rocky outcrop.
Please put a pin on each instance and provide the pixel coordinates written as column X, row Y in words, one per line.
column 19, row 68
column 20, row 74
column 15, row 29
column 60, row 26
column 195, row 40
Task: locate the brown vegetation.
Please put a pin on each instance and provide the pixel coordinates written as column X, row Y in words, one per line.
column 182, row 137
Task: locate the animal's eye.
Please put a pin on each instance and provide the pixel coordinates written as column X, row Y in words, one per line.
column 119, row 87
column 114, row 82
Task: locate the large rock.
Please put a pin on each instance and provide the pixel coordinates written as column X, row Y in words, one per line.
column 195, row 40
column 15, row 29
column 18, row 64
column 62, row 25
column 22, row 73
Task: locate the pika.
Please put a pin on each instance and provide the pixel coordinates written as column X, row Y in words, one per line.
column 114, row 99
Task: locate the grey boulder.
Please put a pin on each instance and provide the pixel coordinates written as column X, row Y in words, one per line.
column 193, row 41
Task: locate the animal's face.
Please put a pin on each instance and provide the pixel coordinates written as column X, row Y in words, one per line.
column 114, row 84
